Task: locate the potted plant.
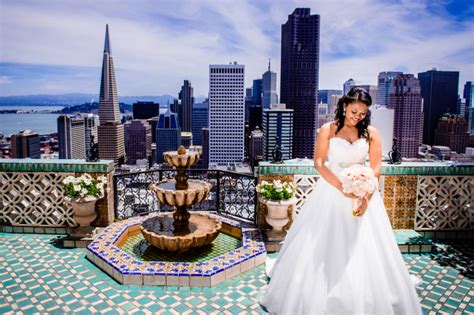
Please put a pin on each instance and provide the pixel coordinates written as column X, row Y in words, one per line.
column 82, row 193
column 278, row 197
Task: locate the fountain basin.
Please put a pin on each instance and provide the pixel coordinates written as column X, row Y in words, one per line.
column 167, row 193
column 106, row 253
column 160, row 232
column 181, row 158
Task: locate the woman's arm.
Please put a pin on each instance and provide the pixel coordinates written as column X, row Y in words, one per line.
column 375, row 151
column 375, row 156
column 320, row 153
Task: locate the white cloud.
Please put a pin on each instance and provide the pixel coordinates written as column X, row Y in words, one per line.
column 158, row 44
column 4, row 79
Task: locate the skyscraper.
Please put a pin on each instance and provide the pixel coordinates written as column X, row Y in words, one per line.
column 25, row 144
column 452, row 132
column 300, row 76
column 186, row 139
column 153, row 122
column 256, row 147
column 175, row 107
column 248, row 102
column 382, row 118
column 168, row 134
column 111, row 131
column 145, row 110
column 384, row 82
column 439, row 90
column 461, row 106
column 277, row 123
column 137, row 140
column 257, row 92
column 91, row 122
column 200, row 120
column 226, row 113
column 186, row 112
column 324, row 114
column 348, row 85
column 405, row 99
column 71, row 137
column 372, row 90
column 204, row 161
column 324, row 96
column 468, row 94
column 269, row 95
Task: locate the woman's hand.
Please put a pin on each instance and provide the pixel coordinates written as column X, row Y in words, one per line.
column 360, row 211
column 349, row 195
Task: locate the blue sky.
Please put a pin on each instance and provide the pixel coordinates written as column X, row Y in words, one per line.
column 52, row 47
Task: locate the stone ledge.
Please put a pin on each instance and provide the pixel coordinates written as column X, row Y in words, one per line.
column 305, row 167
column 56, row 165
column 33, row 230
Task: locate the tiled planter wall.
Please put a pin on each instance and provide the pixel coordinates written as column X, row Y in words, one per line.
column 421, row 196
column 32, row 199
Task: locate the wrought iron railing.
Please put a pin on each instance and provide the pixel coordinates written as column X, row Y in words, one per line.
column 232, row 194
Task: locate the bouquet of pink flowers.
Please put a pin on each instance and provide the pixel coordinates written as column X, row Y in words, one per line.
column 358, row 180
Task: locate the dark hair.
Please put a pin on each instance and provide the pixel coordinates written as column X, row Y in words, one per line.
column 356, row 94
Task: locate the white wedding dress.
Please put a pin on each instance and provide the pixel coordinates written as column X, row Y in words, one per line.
column 334, row 263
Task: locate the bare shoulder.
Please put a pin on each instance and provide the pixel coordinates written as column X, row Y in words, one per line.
column 325, row 132
column 328, row 128
column 373, row 133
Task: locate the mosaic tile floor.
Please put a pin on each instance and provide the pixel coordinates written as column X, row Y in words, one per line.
column 139, row 248
column 36, row 276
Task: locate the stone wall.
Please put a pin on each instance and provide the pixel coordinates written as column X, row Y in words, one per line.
column 31, row 193
column 425, row 196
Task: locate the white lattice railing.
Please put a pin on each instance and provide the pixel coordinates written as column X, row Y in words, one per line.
column 34, row 199
column 424, row 196
column 445, row 203
column 31, row 192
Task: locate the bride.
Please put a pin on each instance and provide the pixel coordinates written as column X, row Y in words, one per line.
column 334, row 261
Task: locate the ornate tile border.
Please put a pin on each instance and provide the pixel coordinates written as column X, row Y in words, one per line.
column 399, row 196
column 36, row 165
column 105, row 253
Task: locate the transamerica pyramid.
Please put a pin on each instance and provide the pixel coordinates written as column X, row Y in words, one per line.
column 110, row 130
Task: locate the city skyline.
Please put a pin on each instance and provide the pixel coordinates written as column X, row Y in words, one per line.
column 52, row 47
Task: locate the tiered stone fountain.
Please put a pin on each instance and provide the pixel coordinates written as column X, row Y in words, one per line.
column 181, row 231
column 175, row 234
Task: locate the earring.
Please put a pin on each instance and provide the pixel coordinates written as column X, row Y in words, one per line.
column 344, row 113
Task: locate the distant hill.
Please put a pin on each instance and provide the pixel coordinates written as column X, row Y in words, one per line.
column 71, row 99
column 90, row 107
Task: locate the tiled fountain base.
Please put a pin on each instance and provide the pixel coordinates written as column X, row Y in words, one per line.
column 109, row 252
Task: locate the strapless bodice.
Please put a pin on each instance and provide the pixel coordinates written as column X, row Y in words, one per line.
column 342, row 153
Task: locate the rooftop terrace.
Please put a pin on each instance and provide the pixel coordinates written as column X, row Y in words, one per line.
column 430, row 207
column 37, row 276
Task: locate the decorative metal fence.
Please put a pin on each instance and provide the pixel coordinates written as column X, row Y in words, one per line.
column 232, row 194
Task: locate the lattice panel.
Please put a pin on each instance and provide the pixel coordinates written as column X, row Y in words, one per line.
column 445, row 203
column 305, row 185
column 399, row 196
column 34, row 199
column 237, row 196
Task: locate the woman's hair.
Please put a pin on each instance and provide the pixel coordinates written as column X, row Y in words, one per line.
column 356, row 94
